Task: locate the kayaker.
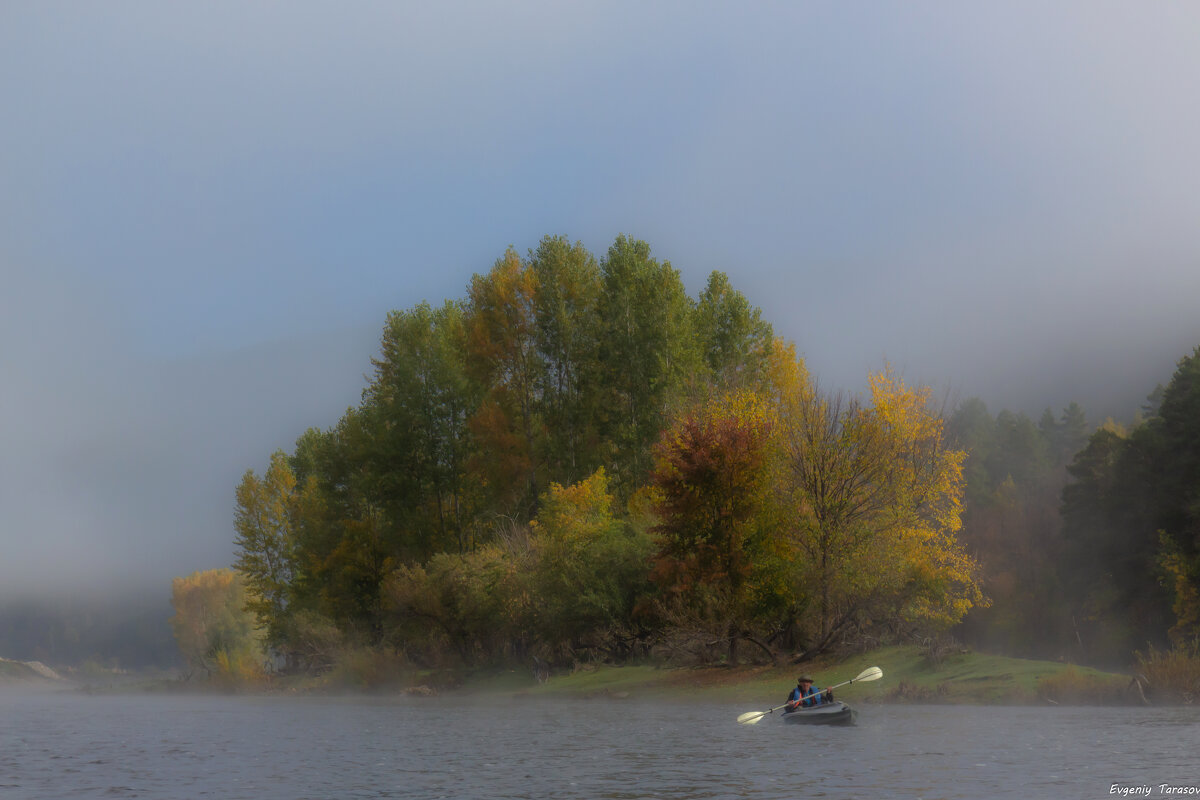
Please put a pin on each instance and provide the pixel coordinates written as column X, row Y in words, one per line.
column 804, row 694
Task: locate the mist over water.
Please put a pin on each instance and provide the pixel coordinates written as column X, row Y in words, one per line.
column 69, row 746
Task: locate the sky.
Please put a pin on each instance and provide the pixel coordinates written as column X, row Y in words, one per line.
column 207, row 210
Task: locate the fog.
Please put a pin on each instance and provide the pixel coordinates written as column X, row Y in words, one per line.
column 206, row 213
column 121, row 468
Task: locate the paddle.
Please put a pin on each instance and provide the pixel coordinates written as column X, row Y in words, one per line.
column 868, row 674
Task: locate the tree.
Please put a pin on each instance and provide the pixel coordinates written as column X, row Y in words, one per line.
column 212, row 627
column 1131, row 517
column 1014, row 475
column 1067, row 435
column 1171, row 443
column 589, row 572
column 503, row 359
column 973, row 430
column 482, row 414
column 265, row 542
column 478, row 605
column 646, row 354
column 416, row 411
column 733, row 339
column 344, row 542
column 877, row 496
column 713, row 477
column 566, row 301
column 1112, row 547
column 1021, row 451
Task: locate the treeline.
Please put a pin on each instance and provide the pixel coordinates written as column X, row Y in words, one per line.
column 1131, row 521
column 1089, row 539
column 578, row 460
column 1016, row 471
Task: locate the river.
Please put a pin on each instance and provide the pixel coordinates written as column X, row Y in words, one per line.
column 67, row 745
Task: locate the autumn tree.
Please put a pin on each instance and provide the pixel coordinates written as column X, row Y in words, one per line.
column 713, row 481
column 589, row 571
column 397, row 524
column 212, row 626
column 265, row 542
column 877, row 499
column 503, row 359
column 472, row 608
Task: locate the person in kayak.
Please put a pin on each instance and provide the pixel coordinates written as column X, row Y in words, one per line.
column 805, row 695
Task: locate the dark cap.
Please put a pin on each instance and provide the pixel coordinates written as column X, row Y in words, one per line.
column 804, row 679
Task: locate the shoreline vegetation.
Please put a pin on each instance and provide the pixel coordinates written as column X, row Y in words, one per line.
column 909, row 676
column 961, row 677
column 580, row 463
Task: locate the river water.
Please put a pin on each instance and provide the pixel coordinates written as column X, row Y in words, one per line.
column 67, row 745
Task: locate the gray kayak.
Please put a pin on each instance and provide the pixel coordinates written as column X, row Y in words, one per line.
column 835, row 713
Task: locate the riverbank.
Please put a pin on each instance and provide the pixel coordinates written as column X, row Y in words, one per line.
column 908, row 677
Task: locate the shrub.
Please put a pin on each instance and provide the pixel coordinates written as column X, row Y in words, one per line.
column 1077, row 687
column 1173, row 675
column 366, row 668
column 237, row 669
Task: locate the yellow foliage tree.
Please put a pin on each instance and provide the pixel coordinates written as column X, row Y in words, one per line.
column 877, row 498
column 589, row 570
column 714, row 477
column 212, row 627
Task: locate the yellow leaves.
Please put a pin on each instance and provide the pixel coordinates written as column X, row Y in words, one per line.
column 202, row 599
column 927, row 475
column 577, row 512
column 500, row 326
column 902, row 408
column 787, row 382
column 878, row 497
column 211, row 626
column 264, row 504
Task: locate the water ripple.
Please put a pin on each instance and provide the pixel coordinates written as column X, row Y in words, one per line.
column 67, row 746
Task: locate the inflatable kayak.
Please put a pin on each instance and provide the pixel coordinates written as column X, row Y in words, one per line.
column 835, row 713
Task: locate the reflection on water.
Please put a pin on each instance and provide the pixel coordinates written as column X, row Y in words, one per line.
column 63, row 746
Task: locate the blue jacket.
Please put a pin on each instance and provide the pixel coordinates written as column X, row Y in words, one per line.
column 815, row 696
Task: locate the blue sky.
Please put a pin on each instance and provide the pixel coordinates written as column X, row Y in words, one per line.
column 207, row 210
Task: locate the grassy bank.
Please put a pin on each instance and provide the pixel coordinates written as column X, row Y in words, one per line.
column 908, row 677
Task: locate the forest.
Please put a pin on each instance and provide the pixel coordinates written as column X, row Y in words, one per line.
column 579, row 462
